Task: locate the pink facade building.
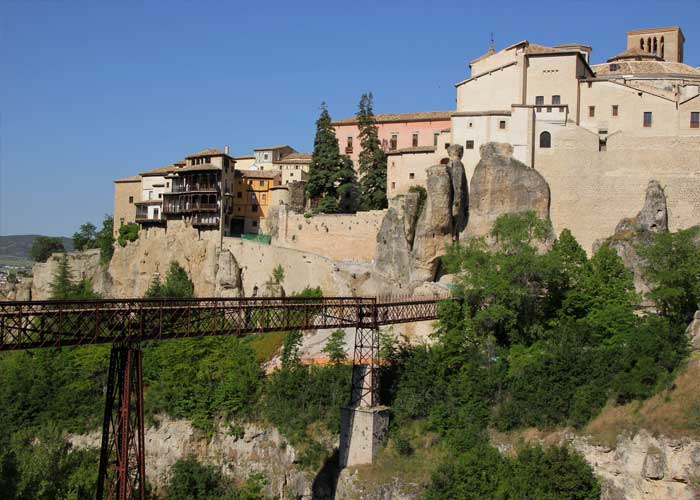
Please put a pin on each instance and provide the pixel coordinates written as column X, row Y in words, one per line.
column 396, row 131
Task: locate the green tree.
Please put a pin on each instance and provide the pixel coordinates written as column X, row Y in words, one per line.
column 86, row 237
column 372, row 160
column 278, row 274
column 61, row 286
column 105, row 239
column 290, row 349
column 672, row 268
column 177, row 283
column 155, row 288
column 44, row 246
column 194, row 481
column 128, row 232
column 335, row 347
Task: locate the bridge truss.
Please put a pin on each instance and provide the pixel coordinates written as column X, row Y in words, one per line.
column 127, row 323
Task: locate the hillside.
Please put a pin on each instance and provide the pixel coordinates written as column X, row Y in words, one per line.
column 16, row 247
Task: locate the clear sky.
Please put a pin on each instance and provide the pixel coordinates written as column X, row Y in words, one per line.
column 93, row 91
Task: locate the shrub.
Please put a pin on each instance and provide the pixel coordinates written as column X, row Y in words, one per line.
column 43, row 246
column 128, row 232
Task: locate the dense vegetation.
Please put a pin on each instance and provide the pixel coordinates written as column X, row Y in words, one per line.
column 43, row 246
column 88, row 237
column 537, row 337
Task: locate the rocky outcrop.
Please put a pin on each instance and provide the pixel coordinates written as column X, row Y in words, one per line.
column 412, row 238
column 83, row 265
column 503, row 185
column 228, row 276
column 693, row 332
column 644, row 467
column 351, row 486
column 634, row 231
column 237, row 451
column 21, row 290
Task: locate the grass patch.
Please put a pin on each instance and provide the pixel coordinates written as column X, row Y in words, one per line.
column 674, row 412
column 267, row 345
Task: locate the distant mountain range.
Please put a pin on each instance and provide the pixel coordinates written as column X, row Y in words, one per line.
column 16, row 247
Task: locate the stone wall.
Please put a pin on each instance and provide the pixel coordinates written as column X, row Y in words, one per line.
column 335, row 236
column 592, row 190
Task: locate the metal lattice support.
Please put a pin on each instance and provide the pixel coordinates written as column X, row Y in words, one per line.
column 122, row 472
column 364, row 388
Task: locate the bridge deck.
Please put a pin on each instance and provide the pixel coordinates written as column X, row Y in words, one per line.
column 34, row 324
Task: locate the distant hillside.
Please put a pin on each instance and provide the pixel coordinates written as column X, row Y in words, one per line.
column 17, row 246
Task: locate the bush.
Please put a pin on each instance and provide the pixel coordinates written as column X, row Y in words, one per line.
column 128, row 232
column 44, row 246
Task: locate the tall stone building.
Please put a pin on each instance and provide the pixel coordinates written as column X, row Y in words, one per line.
column 596, row 132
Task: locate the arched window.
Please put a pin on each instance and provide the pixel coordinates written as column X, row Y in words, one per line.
column 649, row 44
column 641, row 43
column 662, row 48
column 545, row 140
column 656, row 46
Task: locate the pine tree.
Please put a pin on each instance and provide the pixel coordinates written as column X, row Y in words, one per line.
column 372, row 161
column 335, row 347
column 155, row 288
column 62, row 284
column 331, row 176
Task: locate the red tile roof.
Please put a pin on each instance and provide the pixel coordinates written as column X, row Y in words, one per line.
column 421, row 116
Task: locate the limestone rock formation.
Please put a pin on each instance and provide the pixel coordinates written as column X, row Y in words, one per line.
column 228, row 276
column 460, row 190
column 83, row 265
column 503, row 185
column 633, row 231
column 693, row 332
column 16, row 291
column 395, row 237
column 435, row 225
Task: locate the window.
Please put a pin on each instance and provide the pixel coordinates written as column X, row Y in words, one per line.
column 436, row 135
column 255, row 223
column 349, row 142
column 591, row 111
column 415, row 140
column 447, row 145
column 261, row 183
column 393, row 185
column 254, row 208
column 502, row 124
column 556, row 99
column 545, row 140
column 470, row 145
column 694, row 119
column 167, row 184
column 252, row 197
column 411, row 175
column 615, row 110
column 647, row 119
column 539, row 100
column 239, row 195
column 264, row 197
column 160, row 195
column 131, row 198
column 265, row 156
column 394, row 141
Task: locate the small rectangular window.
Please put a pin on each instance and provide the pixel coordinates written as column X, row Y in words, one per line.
column 415, row 140
column 694, row 119
column 131, row 199
column 502, row 124
column 436, row 136
column 556, row 99
column 591, row 111
column 411, row 175
column 349, row 142
column 254, row 208
column 539, row 100
column 394, row 141
column 239, row 195
column 393, row 185
column 615, row 110
column 470, row 145
column 262, row 183
column 647, row 119
column 255, row 223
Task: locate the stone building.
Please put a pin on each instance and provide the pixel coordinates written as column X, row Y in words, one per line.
column 127, row 191
column 293, row 167
column 154, row 184
column 266, row 157
column 596, row 132
column 251, row 200
column 200, row 192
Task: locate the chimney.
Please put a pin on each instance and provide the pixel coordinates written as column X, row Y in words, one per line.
column 226, row 149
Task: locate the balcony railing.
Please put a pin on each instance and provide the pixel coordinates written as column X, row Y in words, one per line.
column 204, row 220
column 146, row 218
column 195, row 187
column 178, row 208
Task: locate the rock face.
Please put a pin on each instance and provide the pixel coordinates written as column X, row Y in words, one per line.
column 633, row 231
column 16, row 291
column 503, row 185
column 693, row 332
column 83, row 265
column 228, row 276
column 645, row 467
column 412, row 237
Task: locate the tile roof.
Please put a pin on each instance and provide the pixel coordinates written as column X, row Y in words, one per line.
column 259, row 174
column 198, row 168
column 418, row 149
column 296, row 158
column 132, row 178
column 207, row 152
column 401, row 117
column 274, row 147
column 636, row 54
column 161, row 170
column 627, row 67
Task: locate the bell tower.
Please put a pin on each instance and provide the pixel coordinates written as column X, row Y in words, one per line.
column 667, row 43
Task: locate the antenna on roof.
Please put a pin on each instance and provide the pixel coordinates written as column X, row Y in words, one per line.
column 491, row 48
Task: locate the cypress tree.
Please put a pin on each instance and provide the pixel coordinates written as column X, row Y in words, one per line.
column 372, row 161
column 331, row 176
column 62, row 284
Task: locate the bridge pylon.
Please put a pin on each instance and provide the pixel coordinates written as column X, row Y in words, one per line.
column 122, row 474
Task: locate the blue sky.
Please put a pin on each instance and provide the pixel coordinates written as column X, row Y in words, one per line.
column 94, row 91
